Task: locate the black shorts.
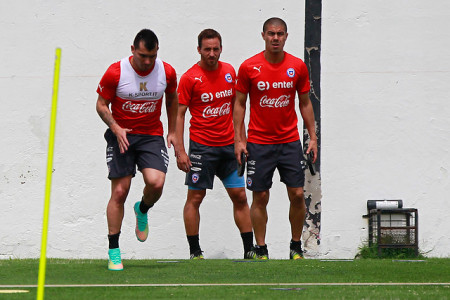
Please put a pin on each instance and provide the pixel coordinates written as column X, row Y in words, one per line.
column 145, row 151
column 263, row 159
column 208, row 161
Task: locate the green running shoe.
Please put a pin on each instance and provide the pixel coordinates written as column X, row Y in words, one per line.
column 141, row 223
column 114, row 261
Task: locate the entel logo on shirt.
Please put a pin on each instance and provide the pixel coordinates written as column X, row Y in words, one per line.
column 265, row 85
column 207, row 97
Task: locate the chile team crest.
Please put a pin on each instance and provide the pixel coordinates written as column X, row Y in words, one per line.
column 229, row 78
column 195, row 177
column 290, row 72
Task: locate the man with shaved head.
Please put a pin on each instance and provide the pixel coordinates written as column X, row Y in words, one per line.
column 272, row 78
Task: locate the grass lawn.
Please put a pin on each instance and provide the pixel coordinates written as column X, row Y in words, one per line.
column 231, row 279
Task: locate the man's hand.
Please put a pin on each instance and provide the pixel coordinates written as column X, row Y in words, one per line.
column 171, row 140
column 183, row 161
column 312, row 147
column 121, row 135
column 239, row 147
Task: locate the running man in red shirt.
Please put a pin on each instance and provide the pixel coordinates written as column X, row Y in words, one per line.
column 134, row 88
column 272, row 79
column 207, row 89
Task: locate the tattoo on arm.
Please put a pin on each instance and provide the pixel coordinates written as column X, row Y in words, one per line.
column 108, row 118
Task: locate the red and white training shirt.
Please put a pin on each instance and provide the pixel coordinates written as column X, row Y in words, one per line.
column 209, row 95
column 272, row 89
column 136, row 98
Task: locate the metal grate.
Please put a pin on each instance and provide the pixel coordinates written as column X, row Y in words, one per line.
column 393, row 228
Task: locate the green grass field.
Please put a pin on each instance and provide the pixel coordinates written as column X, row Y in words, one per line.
column 231, row 279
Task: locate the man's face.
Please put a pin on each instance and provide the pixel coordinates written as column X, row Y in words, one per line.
column 275, row 37
column 143, row 58
column 210, row 52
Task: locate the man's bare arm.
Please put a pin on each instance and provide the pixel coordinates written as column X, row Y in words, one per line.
column 240, row 138
column 105, row 114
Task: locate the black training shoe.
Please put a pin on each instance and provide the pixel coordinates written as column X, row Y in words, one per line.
column 251, row 254
column 197, row 255
column 261, row 252
column 296, row 252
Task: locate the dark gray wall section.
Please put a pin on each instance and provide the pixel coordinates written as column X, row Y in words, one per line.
column 313, row 23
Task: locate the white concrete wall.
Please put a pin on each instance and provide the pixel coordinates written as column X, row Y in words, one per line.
column 372, row 52
column 385, row 118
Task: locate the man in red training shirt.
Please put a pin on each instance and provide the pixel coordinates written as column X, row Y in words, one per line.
column 272, row 78
column 207, row 89
column 134, row 88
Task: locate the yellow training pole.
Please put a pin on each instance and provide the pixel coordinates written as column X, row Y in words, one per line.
column 48, row 183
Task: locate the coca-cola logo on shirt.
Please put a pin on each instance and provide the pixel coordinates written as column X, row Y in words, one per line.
column 139, row 108
column 210, row 112
column 279, row 102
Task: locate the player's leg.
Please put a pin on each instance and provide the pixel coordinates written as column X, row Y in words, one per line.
column 297, row 213
column 152, row 160
column 154, row 183
column 121, row 169
column 226, row 170
column 259, row 216
column 114, row 215
column 258, row 213
column 292, row 174
column 241, row 211
column 191, row 216
column 261, row 163
column 199, row 178
column 115, row 209
column 235, row 187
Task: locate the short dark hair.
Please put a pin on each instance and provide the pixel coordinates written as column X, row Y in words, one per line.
column 148, row 37
column 276, row 21
column 208, row 34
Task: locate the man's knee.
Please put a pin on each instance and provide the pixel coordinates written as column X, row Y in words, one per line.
column 296, row 196
column 119, row 189
column 119, row 194
column 238, row 196
column 195, row 198
column 154, row 180
column 156, row 186
column 260, row 199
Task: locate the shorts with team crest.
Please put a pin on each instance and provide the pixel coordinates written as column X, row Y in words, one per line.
column 262, row 160
column 144, row 151
column 210, row 161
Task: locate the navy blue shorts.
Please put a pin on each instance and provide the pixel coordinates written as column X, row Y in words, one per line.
column 262, row 161
column 209, row 161
column 145, row 151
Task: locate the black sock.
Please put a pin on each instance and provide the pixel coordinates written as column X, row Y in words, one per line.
column 296, row 245
column 144, row 207
column 113, row 240
column 247, row 240
column 194, row 244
